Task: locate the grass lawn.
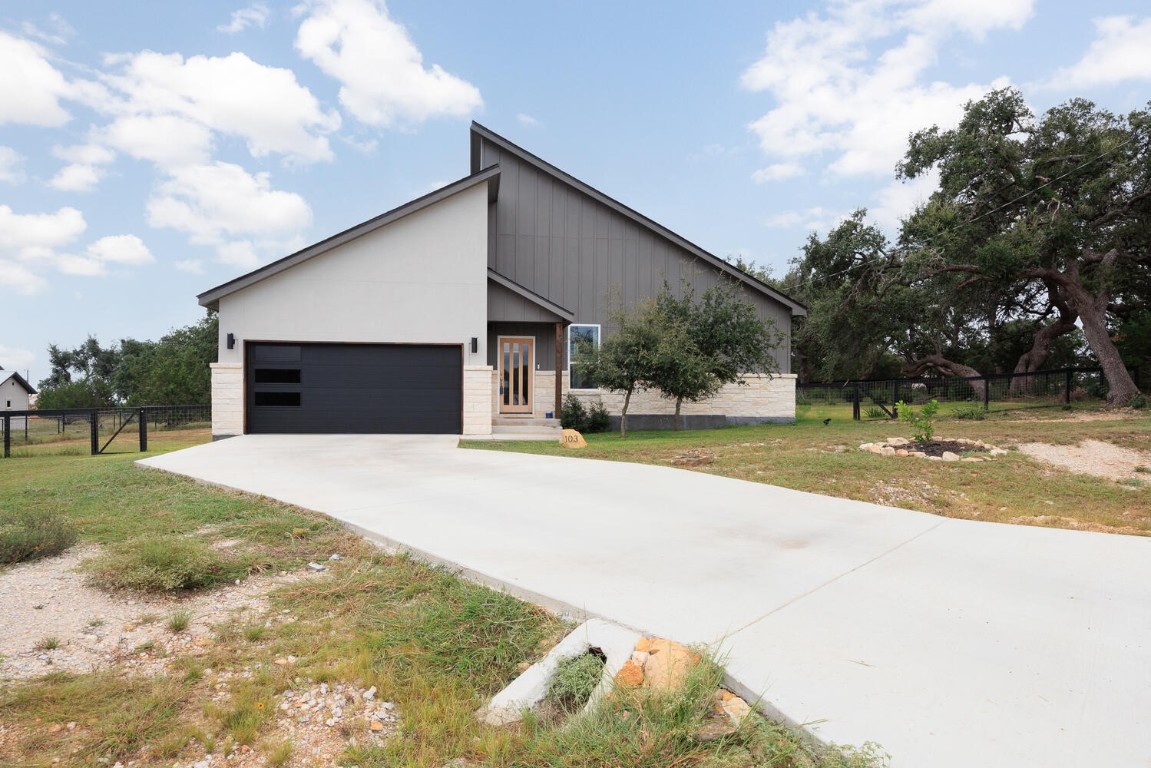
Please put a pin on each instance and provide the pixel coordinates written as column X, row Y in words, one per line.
column 812, row 456
column 434, row 645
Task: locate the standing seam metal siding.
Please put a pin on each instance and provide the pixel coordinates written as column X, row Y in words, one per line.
column 562, row 244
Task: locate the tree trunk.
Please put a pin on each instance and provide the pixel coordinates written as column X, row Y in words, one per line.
column 950, row 368
column 623, row 414
column 675, row 421
column 1035, row 358
column 1092, row 311
column 1121, row 387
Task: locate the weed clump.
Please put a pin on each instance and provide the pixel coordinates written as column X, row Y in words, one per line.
column 574, row 681
column 26, row 535
column 163, row 564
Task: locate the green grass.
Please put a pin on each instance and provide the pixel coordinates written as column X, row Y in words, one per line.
column 26, row 534
column 164, row 564
column 574, row 681
column 809, row 456
column 435, row 645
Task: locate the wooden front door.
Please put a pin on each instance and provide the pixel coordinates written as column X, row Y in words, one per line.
column 516, row 364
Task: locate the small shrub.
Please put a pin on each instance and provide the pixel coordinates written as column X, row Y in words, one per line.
column 875, row 412
column 1138, row 402
column 163, row 564
column 179, row 621
column 278, row 753
column 598, row 419
column 922, row 421
column 49, row 643
column 26, row 535
column 573, row 414
column 575, row 680
column 972, row 412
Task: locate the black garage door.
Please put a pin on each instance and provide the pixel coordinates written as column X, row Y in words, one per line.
column 354, row 388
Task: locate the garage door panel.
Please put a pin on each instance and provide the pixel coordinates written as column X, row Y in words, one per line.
column 355, row 389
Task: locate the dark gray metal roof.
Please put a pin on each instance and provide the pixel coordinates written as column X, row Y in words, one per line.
column 479, row 132
column 211, row 298
column 5, row 375
column 531, row 296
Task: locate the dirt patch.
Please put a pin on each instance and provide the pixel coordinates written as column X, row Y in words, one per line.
column 1094, row 457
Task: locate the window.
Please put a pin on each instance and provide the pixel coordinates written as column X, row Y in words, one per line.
column 290, row 399
column 277, row 375
column 580, row 334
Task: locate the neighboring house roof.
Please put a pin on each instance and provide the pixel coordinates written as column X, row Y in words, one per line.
column 211, row 298
column 480, row 132
column 6, row 375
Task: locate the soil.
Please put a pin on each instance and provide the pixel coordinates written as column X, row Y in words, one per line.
column 1094, row 457
column 939, row 447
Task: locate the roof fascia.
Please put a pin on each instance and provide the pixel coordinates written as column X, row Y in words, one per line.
column 211, row 298
column 531, row 296
column 479, row 131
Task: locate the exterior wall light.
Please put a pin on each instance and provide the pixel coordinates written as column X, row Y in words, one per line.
column 231, row 341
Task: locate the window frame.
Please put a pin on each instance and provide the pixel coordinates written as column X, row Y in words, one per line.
column 570, row 349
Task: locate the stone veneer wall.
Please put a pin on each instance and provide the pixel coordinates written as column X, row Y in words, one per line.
column 478, row 399
column 227, row 399
column 762, row 400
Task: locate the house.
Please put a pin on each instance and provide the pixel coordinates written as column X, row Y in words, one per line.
column 15, row 392
column 455, row 312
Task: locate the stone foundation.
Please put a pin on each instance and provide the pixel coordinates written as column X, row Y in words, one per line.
column 762, row 400
column 478, row 400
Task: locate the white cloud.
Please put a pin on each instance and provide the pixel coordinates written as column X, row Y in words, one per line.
column 1121, row 51
column 223, row 206
column 850, row 84
column 527, row 120
column 154, row 94
column 17, row 276
column 809, row 220
column 59, row 33
column 383, row 80
column 191, row 266
column 31, row 88
column 34, row 237
column 255, row 15
column 15, row 358
column 167, row 140
column 778, row 172
column 10, row 162
column 116, row 249
column 120, row 249
column 899, row 199
column 76, row 178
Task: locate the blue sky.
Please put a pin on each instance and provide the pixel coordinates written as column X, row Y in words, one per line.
column 150, row 151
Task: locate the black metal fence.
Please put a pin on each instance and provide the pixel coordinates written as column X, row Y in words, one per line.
column 877, row 399
column 98, row 426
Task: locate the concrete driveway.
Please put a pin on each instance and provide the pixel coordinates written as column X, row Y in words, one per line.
column 948, row 642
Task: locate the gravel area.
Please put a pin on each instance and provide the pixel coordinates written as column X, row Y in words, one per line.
column 1094, row 457
column 52, row 620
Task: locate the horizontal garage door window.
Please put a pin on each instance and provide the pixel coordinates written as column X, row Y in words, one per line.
column 287, row 399
column 277, row 375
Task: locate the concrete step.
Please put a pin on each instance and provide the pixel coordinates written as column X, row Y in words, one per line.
column 524, row 422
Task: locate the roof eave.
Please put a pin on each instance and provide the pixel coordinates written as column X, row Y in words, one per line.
column 563, row 313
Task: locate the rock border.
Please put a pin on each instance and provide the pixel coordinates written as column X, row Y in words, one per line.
column 901, row 446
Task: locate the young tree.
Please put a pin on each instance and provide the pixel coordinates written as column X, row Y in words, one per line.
column 713, row 341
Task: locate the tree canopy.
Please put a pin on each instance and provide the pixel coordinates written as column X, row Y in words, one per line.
column 1037, row 233
column 171, row 371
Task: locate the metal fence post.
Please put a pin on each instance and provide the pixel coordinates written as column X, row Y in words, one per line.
column 8, row 436
column 1067, row 386
column 94, row 430
column 986, row 393
column 143, row 419
column 855, row 402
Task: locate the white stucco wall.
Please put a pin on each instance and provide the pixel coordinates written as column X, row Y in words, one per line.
column 13, row 397
column 419, row 280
